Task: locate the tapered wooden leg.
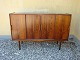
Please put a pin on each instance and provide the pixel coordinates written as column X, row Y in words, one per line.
column 57, row 42
column 19, row 45
column 21, row 42
column 59, row 45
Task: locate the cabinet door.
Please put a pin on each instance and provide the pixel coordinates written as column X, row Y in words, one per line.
column 43, row 27
column 18, row 27
column 33, row 26
column 58, row 26
column 66, row 26
column 47, row 26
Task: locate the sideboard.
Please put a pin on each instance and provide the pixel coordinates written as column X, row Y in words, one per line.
column 40, row 27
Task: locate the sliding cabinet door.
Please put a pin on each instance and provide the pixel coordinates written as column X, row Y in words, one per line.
column 47, row 26
column 66, row 26
column 58, row 26
column 18, row 27
column 33, row 26
column 43, row 27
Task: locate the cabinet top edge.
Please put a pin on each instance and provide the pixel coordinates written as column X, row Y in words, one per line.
column 40, row 13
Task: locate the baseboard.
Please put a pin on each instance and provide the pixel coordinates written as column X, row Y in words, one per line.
column 5, row 37
column 77, row 41
column 71, row 36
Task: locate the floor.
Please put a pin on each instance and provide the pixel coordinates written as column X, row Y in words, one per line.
column 39, row 51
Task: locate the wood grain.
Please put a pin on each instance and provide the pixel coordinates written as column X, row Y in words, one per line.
column 14, row 28
column 18, row 27
column 40, row 26
column 50, row 26
column 66, row 26
column 43, row 27
column 21, row 27
column 58, row 26
column 29, row 26
column 36, row 27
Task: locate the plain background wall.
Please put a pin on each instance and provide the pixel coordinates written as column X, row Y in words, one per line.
column 53, row 6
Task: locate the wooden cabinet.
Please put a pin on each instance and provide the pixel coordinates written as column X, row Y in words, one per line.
column 40, row 27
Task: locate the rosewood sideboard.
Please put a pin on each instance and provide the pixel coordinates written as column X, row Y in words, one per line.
column 40, row 27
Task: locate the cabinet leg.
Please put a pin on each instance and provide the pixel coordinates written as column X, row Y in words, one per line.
column 57, row 42
column 59, row 45
column 21, row 42
column 19, row 45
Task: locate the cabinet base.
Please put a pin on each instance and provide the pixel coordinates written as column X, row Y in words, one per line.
column 19, row 44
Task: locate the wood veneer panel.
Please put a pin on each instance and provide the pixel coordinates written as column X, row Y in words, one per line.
column 18, row 26
column 66, row 26
column 47, row 26
column 29, row 26
column 50, row 26
column 43, row 27
column 58, row 26
column 33, row 26
column 21, row 27
column 14, row 28
column 36, row 27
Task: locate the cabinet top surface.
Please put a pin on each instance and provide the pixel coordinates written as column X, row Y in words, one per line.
column 40, row 13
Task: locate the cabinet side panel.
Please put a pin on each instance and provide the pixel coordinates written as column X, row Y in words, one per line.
column 58, row 26
column 14, row 26
column 66, row 26
column 21, row 26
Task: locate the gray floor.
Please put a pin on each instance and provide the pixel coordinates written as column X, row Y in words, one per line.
column 39, row 51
